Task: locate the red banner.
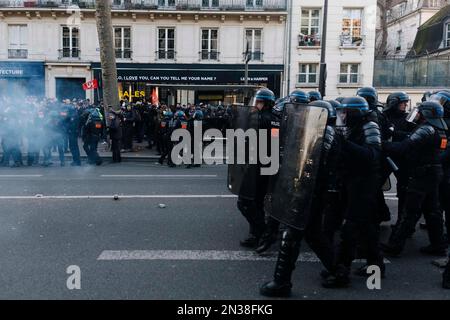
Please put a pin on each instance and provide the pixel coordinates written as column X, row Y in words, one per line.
column 93, row 84
column 155, row 98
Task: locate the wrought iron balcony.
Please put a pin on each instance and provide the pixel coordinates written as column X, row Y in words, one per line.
column 350, row 79
column 308, row 40
column 209, row 55
column 349, row 41
column 67, row 53
column 219, row 5
column 254, row 56
column 17, row 53
column 166, row 54
column 123, row 54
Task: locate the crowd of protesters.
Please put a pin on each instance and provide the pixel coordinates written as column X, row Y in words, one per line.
column 31, row 128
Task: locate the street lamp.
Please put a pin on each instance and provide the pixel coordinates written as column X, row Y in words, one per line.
column 323, row 65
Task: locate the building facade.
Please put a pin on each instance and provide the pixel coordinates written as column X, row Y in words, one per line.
column 403, row 18
column 178, row 50
column 350, row 45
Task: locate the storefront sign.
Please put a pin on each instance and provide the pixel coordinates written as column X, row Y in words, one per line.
column 21, row 69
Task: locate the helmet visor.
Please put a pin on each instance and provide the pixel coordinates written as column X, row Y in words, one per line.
column 341, row 118
column 413, row 116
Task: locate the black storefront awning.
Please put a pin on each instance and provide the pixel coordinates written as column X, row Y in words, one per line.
column 193, row 75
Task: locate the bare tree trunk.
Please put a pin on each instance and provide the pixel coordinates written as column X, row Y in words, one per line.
column 107, row 54
column 383, row 6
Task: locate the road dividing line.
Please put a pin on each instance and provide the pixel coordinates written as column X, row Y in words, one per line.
column 212, row 255
column 135, row 196
column 391, row 198
column 159, row 176
column 20, row 175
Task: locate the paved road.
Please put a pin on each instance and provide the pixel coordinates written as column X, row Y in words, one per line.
column 52, row 218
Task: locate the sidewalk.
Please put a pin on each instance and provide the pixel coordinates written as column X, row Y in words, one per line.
column 139, row 153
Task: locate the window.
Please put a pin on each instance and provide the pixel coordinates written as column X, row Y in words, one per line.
column 447, row 35
column 308, row 73
column 70, row 42
column 166, row 43
column 18, row 38
column 166, row 3
column 349, row 73
column 310, row 28
column 253, row 39
column 399, row 40
column 210, row 3
column 122, row 42
column 352, row 27
column 209, row 44
column 254, row 3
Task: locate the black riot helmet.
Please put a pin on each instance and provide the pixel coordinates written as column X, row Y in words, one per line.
column 314, row 96
column 299, row 96
column 393, row 101
column 370, row 94
column 351, row 111
column 426, row 95
column 443, row 98
column 329, row 107
column 431, row 112
column 263, row 96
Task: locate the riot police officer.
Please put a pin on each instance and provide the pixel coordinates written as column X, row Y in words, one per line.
column 370, row 94
column 303, row 221
column 299, row 96
column 443, row 98
column 314, row 96
column 359, row 155
column 92, row 132
column 73, row 131
column 195, row 120
column 395, row 115
column 253, row 189
column 423, row 150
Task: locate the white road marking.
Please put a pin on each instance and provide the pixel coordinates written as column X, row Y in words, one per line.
column 115, row 255
column 391, row 198
column 390, row 194
column 20, row 175
column 127, row 196
column 159, row 175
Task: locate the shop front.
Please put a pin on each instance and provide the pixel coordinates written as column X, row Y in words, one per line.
column 21, row 79
column 193, row 83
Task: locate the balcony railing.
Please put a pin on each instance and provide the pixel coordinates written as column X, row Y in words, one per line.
column 254, row 56
column 349, row 41
column 209, row 55
column 17, row 53
column 123, row 54
column 67, row 53
column 308, row 79
column 350, row 79
column 166, row 54
column 219, row 5
column 308, row 40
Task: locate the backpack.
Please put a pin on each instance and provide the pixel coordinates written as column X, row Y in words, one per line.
column 95, row 121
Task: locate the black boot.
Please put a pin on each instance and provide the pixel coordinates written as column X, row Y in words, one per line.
column 287, row 257
column 446, row 277
column 339, row 279
column 269, row 237
column 253, row 237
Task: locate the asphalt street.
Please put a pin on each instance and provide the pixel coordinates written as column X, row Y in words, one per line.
column 173, row 233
